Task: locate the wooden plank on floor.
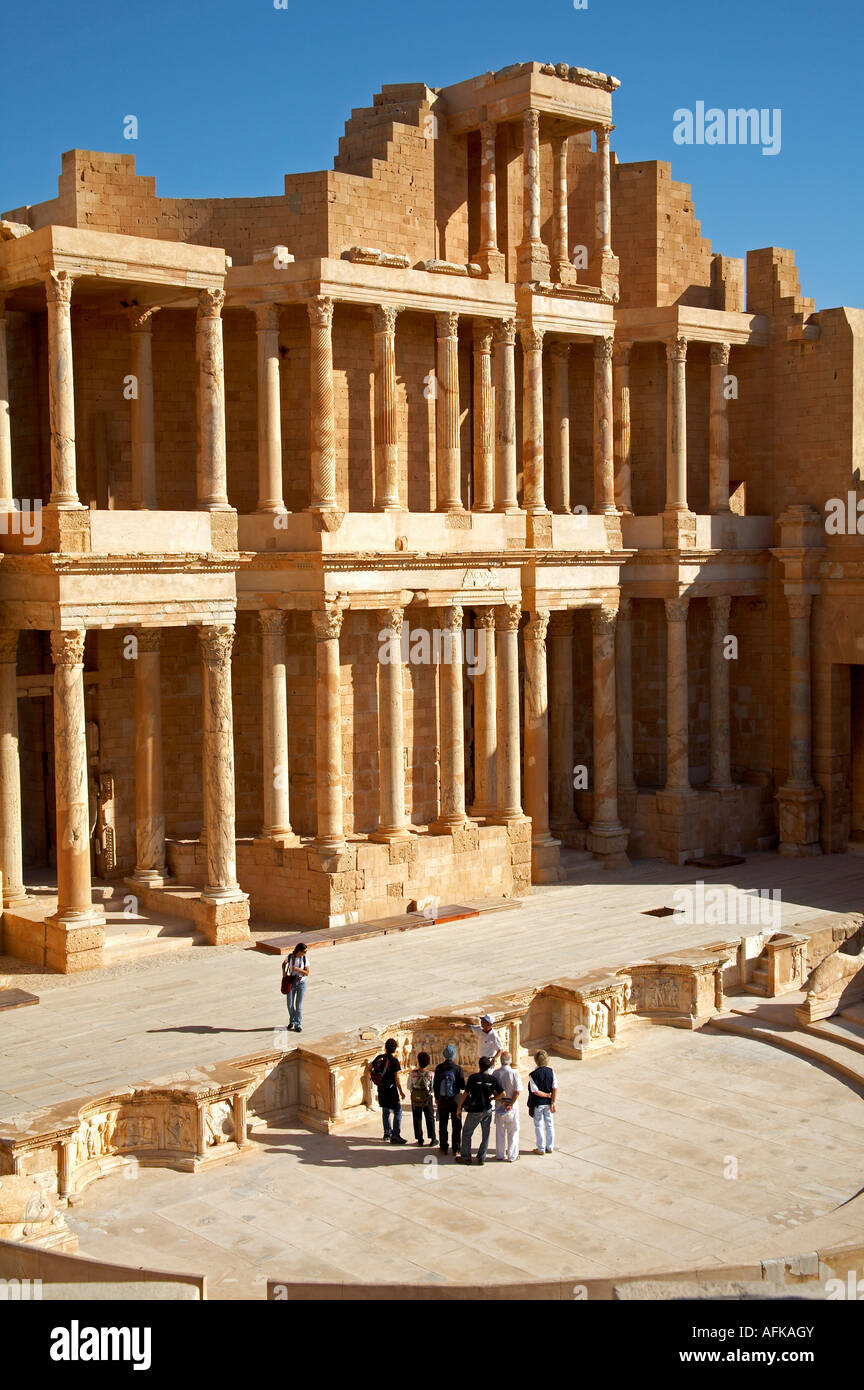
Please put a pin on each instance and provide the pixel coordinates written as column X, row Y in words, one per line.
column 16, row 999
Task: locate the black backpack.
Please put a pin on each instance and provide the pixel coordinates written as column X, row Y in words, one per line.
column 380, row 1069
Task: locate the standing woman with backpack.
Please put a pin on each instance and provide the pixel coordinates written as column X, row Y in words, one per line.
column 448, row 1083
column 294, row 975
column 420, row 1087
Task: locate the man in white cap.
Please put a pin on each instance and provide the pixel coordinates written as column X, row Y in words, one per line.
column 489, row 1044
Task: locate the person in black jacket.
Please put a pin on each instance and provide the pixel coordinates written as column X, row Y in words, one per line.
column 447, row 1085
column 481, row 1089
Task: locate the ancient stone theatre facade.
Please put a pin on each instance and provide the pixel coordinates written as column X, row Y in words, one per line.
column 479, row 382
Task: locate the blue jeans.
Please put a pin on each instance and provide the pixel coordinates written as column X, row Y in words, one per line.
column 470, row 1120
column 392, row 1121
column 295, row 1001
column 544, row 1127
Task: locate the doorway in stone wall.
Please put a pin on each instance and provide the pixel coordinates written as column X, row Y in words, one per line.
column 36, row 751
column 856, row 705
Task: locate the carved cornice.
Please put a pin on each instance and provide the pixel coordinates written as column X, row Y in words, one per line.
column 536, row 628
column 326, row 623
column 8, row 644
column 384, row 317
column 149, row 639
column 216, row 642
column 676, row 609
column 67, row 646
column 271, row 621
column 210, row 304
column 720, row 354
column 446, row 325
column 604, row 348
column 58, row 287
column 320, row 310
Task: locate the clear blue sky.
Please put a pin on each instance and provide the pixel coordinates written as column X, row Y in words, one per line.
column 232, row 94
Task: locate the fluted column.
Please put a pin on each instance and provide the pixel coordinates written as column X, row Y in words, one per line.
column 274, row 725
column 532, row 255
column 718, row 434
column 559, row 435
column 485, row 722
column 392, row 818
column 142, row 422
column 621, row 426
column 624, row 694
column 484, row 421
column 74, row 893
column 149, row 796
column 606, row 838
column 604, row 462
column 270, row 498
column 721, row 752
column 322, row 405
column 451, row 719
column 603, row 193
column 386, row 440
column 676, row 425
column 508, row 771
column 211, row 455
column 561, row 248
column 449, row 458
column 562, row 817
column 327, row 625
column 505, row 417
column 532, row 418
column 11, row 854
column 677, row 696
column 544, row 849
column 6, row 486
column 488, row 256
column 61, row 391
column 218, row 764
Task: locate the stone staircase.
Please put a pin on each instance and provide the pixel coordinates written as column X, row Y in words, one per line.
column 836, row 1043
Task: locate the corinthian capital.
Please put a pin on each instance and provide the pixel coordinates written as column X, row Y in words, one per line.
column 531, row 120
column 603, row 621
column 446, row 325
column 326, row 622
column 676, row 609
column 148, row 638
column 532, row 338
column 485, row 618
column 392, row 619
column 210, row 304
column 452, row 617
column 58, row 287
column 676, row 350
column 604, row 347
column 799, row 605
column 216, row 642
column 67, row 647
column 384, row 317
column 320, row 311
column 505, row 332
column 267, row 318
column 720, row 354
column 621, row 354
column 536, row 628
column 271, row 621
column 483, row 338
column 509, row 617
column 720, row 606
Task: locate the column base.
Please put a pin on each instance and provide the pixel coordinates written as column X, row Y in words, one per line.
column 216, row 504
column 389, row 507
column 74, row 941
column 571, row 833
column 798, row 814
column 608, row 844
column 271, row 509
column 277, row 837
column 492, row 263
column 448, row 825
column 223, row 918
column 385, row 835
column 17, row 897
column 149, row 878
column 65, row 504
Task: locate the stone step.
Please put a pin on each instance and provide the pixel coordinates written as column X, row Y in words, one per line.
column 838, row 1057
column 839, row 1029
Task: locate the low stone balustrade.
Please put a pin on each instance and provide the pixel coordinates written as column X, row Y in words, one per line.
column 684, row 989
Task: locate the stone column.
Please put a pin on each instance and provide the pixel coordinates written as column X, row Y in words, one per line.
column 74, row 894
column 677, row 697
column 451, row 717
column 532, row 418
column 559, row 442
column 149, row 798
column 624, row 694
column 603, row 193
column 718, row 435
column 676, row 425
column 561, row 265
column 61, row 391
column 798, row 799
column 532, row 255
column 142, row 421
column 721, row 752
column 386, row 437
column 327, row 625
column 507, row 713
column 484, row 421
column 505, row 417
column 274, row 726
column 544, row 849
column 392, row 819
column 563, row 819
column 604, row 461
column 607, row 840
column 212, row 466
column 11, row 854
column 489, row 257
column 6, row 486
column 485, row 724
column 322, row 405
column 218, row 765
column 449, row 458
column 270, row 497
column 621, row 428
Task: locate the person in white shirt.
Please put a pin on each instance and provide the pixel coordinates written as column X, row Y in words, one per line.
column 507, row 1111
column 489, row 1044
